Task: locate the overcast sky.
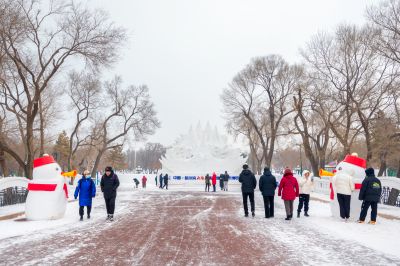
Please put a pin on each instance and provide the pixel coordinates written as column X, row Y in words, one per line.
column 187, row 51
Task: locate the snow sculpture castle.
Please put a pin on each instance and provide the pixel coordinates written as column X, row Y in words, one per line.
column 203, row 151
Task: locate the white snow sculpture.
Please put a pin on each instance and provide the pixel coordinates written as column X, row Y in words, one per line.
column 48, row 194
column 202, row 151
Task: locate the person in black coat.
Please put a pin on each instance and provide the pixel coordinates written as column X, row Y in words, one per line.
column 221, row 181
column 226, row 179
column 109, row 184
column 166, row 181
column 268, row 186
column 161, row 181
column 249, row 183
column 370, row 194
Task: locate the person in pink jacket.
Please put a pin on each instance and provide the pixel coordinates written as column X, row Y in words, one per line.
column 289, row 190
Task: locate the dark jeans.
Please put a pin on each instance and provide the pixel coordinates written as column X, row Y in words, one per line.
column 214, row 188
column 161, row 186
column 304, row 199
column 364, row 210
column 245, row 196
column 110, row 205
column 165, row 185
column 288, row 207
column 208, row 187
column 269, row 206
column 344, row 204
column 81, row 212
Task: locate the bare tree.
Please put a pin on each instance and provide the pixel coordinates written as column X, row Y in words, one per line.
column 126, row 111
column 84, row 90
column 37, row 40
column 262, row 94
column 359, row 79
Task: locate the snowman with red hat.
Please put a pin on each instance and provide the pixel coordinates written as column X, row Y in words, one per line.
column 345, row 187
column 48, row 194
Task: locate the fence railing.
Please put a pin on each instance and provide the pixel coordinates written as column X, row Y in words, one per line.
column 13, row 195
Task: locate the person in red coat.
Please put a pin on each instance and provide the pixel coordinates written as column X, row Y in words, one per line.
column 289, row 189
column 144, row 181
column 214, row 181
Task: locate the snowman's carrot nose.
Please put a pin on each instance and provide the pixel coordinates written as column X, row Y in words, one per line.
column 72, row 173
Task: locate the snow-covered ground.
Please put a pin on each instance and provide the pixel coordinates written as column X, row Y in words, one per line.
column 316, row 240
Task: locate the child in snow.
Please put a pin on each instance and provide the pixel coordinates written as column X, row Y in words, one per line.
column 85, row 190
column 306, row 185
column 289, row 189
column 370, row 194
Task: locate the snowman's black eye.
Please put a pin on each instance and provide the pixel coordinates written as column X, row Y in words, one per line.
column 56, row 168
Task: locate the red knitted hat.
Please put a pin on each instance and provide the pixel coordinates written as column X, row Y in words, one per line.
column 46, row 159
column 351, row 159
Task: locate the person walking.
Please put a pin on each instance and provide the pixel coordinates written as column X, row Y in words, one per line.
column 344, row 186
column 214, row 181
column 208, row 182
column 249, row 183
column 109, row 184
column 144, row 181
column 161, row 181
column 267, row 187
column 85, row 190
column 165, row 181
column 156, row 179
column 226, row 179
column 306, row 185
column 136, row 182
column 370, row 194
column 289, row 190
column 221, row 181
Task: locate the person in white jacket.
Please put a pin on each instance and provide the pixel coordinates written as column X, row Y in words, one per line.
column 306, row 185
column 343, row 185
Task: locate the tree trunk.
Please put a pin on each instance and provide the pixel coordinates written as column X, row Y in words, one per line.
column 398, row 169
column 383, row 164
column 97, row 162
column 41, row 128
column 3, row 164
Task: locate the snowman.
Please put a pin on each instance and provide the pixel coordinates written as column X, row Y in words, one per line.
column 48, row 194
column 355, row 167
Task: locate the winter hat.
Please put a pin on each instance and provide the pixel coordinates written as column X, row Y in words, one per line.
column 306, row 172
column 245, row 166
column 370, row 172
column 287, row 172
column 266, row 169
column 108, row 168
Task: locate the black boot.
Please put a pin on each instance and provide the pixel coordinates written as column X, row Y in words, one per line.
column 298, row 214
column 287, row 218
column 246, row 215
column 306, row 214
column 253, row 214
column 81, row 219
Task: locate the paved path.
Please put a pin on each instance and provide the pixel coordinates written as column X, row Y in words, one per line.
column 184, row 228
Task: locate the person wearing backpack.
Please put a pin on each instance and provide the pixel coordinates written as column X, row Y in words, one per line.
column 109, row 184
column 85, row 190
column 370, row 194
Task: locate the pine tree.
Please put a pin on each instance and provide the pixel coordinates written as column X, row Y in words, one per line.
column 61, row 149
column 116, row 158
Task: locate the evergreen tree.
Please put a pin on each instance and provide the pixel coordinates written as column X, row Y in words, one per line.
column 61, row 149
column 116, row 158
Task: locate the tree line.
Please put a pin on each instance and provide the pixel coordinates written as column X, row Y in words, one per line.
column 53, row 55
column 343, row 93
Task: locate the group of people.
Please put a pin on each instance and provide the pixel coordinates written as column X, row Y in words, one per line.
column 223, row 181
column 86, row 190
column 163, row 181
column 289, row 188
column 370, row 194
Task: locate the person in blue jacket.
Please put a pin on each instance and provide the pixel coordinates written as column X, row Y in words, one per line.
column 86, row 190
